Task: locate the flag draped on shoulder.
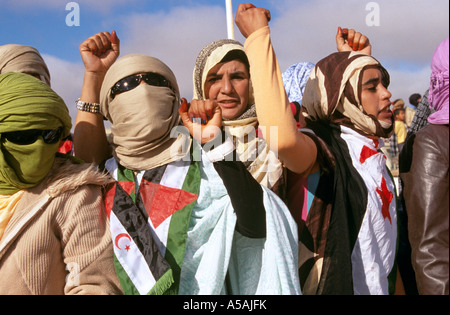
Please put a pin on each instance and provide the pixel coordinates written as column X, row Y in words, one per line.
column 149, row 218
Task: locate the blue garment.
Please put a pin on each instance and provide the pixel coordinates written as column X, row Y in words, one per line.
column 294, row 80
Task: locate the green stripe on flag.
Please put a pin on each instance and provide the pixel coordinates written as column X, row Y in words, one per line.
column 125, row 282
column 176, row 241
column 126, row 175
column 163, row 285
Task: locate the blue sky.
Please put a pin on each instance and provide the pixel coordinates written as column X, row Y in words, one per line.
column 403, row 39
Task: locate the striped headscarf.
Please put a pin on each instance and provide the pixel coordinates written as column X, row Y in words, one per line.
column 24, row 59
column 333, row 93
column 261, row 162
column 210, row 56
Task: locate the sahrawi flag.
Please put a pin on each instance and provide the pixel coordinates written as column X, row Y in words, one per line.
column 149, row 228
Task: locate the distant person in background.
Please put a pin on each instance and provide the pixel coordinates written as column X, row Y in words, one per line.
column 400, row 128
column 391, row 148
column 420, row 119
column 398, row 103
column 424, row 173
column 411, row 108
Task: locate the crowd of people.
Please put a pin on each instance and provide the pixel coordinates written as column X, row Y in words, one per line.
column 266, row 182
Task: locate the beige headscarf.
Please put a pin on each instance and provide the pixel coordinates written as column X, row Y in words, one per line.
column 261, row 162
column 333, row 93
column 143, row 118
column 25, row 59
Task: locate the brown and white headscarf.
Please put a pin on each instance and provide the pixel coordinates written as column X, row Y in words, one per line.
column 333, row 93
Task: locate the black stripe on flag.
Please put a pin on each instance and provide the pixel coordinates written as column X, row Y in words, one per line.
column 135, row 222
column 155, row 175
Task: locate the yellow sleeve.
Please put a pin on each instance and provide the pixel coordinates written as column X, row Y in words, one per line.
column 297, row 151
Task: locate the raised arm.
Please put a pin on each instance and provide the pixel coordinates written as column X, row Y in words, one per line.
column 297, row 151
column 350, row 40
column 98, row 53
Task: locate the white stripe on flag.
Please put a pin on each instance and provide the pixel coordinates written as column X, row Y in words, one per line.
column 175, row 174
column 132, row 261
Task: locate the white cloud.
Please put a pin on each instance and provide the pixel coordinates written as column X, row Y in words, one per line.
column 66, row 80
column 404, row 83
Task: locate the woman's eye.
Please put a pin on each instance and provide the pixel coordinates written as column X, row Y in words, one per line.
column 238, row 77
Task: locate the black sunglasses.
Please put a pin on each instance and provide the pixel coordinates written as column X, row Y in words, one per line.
column 30, row 136
column 132, row 81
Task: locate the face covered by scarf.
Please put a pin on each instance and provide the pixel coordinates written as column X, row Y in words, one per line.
column 27, row 103
column 24, row 59
column 438, row 93
column 143, row 118
column 333, row 93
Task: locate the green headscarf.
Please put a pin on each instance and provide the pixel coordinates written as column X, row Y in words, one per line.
column 28, row 103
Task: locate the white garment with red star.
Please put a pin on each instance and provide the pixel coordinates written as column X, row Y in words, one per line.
column 374, row 253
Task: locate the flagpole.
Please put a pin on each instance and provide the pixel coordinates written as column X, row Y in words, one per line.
column 230, row 25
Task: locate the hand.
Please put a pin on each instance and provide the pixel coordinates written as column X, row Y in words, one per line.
column 209, row 112
column 350, row 40
column 100, row 51
column 250, row 18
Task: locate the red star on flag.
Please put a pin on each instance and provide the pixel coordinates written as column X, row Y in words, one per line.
column 366, row 153
column 386, row 198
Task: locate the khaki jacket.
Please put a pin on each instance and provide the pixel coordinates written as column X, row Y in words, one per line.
column 58, row 239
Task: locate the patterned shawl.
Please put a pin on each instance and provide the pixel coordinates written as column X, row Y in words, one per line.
column 294, row 80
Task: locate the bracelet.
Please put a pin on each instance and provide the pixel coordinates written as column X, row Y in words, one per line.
column 87, row 107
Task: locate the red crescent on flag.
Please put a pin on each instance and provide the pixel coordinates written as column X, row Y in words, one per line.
column 118, row 237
